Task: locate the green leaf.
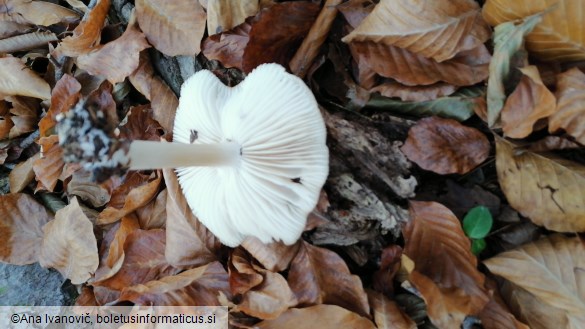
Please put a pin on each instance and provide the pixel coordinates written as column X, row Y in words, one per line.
column 478, row 222
column 477, row 246
column 508, row 39
column 458, row 106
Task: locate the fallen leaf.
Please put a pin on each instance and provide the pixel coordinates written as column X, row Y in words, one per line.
column 5, row 121
column 242, row 275
column 437, row 29
column 115, row 253
column 154, row 214
column 551, row 143
column 27, row 41
column 556, row 260
column 136, row 198
column 49, row 166
column 228, row 47
column 116, row 59
column 64, row 95
column 320, row 276
column 276, row 32
column 445, row 270
column 87, row 34
column 459, row 106
column 21, row 233
column 354, row 11
column 83, row 186
column 37, row 12
column 508, row 39
column 274, row 256
column 144, row 261
column 223, row 15
column 445, row 146
column 269, row 299
column 24, row 115
column 557, row 38
column 18, row 80
column 570, row 105
column 496, row 315
column 318, row 316
column 309, row 49
column 414, row 93
column 387, row 314
column 163, row 101
column 200, row 286
column 139, row 124
column 173, row 27
column 86, row 297
column 22, row 174
column 466, row 68
column 547, row 190
column 188, row 241
column 390, row 262
column 69, row 244
column 528, row 103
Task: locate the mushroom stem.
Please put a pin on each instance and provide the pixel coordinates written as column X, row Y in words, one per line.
column 156, row 155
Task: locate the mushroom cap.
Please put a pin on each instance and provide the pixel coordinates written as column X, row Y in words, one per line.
column 283, row 160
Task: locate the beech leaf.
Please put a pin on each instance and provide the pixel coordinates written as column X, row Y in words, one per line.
column 22, row 220
column 556, row 260
column 318, row 316
column 69, row 244
column 17, row 79
column 223, row 15
column 87, row 34
column 547, row 190
column 570, row 110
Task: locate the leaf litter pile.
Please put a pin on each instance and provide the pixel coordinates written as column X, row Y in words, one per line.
column 456, row 131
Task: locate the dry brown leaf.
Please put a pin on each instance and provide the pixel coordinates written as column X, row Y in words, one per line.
column 21, row 228
column 528, row 103
column 445, row 146
column 188, row 241
column 318, row 316
column 433, row 29
column 277, row 31
column 355, row 11
column 86, row 297
column 467, row 68
column 11, row 28
column 387, row 314
column 83, row 186
column 87, row 34
column 551, row 143
column 22, row 174
column 27, row 41
column 69, row 244
column 228, row 47
column 23, row 115
column 269, row 299
column 414, row 93
column 17, row 79
column 549, row 191
column 37, row 12
column 63, row 96
column 163, row 101
column 154, row 214
column 320, row 276
column 495, row 314
column 570, row 111
column 137, row 197
column 49, row 166
column 200, row 286
column 173, row 27
column 223, row 15
column 144, row 261
column 139, row 124
column 309, row 49
column 117, row 59
column 5, row 122
column 445, row 270
column 242, row 275
column 560, row 34
column 550, row 271
column 274, row 256
column 128, row 224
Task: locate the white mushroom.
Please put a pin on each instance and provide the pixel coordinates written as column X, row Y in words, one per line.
column 251, row 159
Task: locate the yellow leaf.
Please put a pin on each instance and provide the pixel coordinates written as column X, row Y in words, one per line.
column 560, row 36
column 548, row 191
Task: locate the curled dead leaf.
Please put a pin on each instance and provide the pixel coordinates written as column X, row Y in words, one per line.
column 17, row 79
column 87, row 34
column 445, row 146
column 387, row 314
column 318, row 316
column 49, row 166
column 64, row 95
column 570, row 111
column 275, row 256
